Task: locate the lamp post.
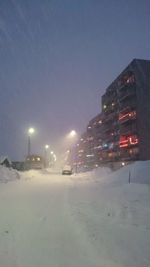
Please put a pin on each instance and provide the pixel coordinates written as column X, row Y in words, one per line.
column 73, row 136
column 30, row 133
column 46, row 148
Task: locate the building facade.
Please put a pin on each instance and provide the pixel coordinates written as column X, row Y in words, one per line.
column 121, row 131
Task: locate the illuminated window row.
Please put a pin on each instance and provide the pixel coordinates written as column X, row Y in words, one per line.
column 131, row 114
column 126, row 141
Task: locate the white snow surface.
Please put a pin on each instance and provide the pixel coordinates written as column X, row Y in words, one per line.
column 8, row 174
column 93, row 219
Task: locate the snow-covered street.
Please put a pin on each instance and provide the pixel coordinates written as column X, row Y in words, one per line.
column 67, row 221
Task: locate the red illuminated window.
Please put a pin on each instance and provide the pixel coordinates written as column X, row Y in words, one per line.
column 81, row 151
column 126, row 141
column 90, row 138
column 131, row 115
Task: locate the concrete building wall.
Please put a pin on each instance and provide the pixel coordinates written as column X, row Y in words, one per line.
column 128, row 94
column 142, row 73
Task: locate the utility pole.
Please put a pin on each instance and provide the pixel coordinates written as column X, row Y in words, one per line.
column 29, row 145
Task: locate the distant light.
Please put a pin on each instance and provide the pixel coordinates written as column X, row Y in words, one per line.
column 72, row 133
column 46, row 146
column 113, row 104
column 38, row 159
column 123, row 163
column 52, row 152
column 111, row 145
column 54, row 157
column 104, row 106
column 31, row 131
column 74, row 145
column 105, row 145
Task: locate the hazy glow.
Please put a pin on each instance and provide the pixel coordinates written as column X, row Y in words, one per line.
column 31, row 131
column 46, row 146
column 54, row 157
column 72, row 133
column 52, row 152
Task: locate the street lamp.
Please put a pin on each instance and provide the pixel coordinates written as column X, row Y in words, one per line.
column 46, row 147
column 30, row 133
column 72, row 133
column 52, row 152
column 46, row 159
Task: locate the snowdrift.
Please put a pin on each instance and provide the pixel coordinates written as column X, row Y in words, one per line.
column 139, row 173
column 7, row 174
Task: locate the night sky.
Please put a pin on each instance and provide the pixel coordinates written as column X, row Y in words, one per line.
column 56, row 59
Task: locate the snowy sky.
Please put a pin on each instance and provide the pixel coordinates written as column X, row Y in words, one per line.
column 57, row 58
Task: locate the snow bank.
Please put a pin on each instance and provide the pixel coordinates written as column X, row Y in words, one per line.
column 139, row 173
column 115, row 215
column 7, row 174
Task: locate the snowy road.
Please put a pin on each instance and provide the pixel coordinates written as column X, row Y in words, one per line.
column 36, row 227
column 52, row 220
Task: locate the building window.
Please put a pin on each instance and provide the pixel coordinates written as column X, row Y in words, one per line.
column 131, row 115
column 126, row 141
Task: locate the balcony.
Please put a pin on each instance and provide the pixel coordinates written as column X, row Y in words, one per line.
column 129, row 153
column 123, row 118
column 128, row 104
column 128, row 140
column 109, row 97
column 127, row 93
column 111, row 108
column 111, row 117
column 126, row 80
column 128, row 127
column 111, row 139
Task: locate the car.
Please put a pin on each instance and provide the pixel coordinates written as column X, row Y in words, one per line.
column 67, row 169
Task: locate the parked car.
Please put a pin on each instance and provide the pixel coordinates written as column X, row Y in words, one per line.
column 67, row 169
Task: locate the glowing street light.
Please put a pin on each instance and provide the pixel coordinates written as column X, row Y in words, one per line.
column 30, row 133
column 72, row 133
column 46, row 147
column 46, row 157
column 52, row 152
